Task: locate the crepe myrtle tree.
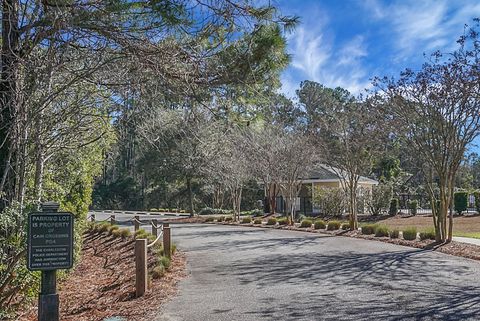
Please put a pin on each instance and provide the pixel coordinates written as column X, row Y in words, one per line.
column 348, row 133
column 296, row 159
column 263, row 146
column 438, row 109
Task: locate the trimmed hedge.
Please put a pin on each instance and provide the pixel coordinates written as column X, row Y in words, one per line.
column 272, row 221
column 394, row 234
column 410, row 234
column 369, row 229
column 319, row 225
column 246, row 220
column 333, row 225
column 381, row 231
column 460, row 201
column 345, row 226
column 427, row 235
column 306, row 223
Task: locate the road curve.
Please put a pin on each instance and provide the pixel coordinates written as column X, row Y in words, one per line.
column 243, row 274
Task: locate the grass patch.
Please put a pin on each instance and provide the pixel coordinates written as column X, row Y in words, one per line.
column 473, row 235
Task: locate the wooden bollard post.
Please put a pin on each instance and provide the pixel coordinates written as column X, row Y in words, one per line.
column 141, row 281
column 154, row 228
column 136, row 223
column 112, row 219
column 167, row 241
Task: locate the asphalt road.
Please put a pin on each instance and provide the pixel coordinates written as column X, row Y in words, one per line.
column 239, row 273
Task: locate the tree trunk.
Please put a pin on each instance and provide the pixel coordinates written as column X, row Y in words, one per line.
column 190, row 197
column 8, row 102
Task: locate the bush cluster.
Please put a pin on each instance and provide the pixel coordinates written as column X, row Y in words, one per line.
column 209, row 219
column 272, row 221
column 246, row 220
column 394, row 234
column 346, row 226
column 212, row 211
column 319, row 225
column 283, row 221
column 381, row 231
column 410, row 233
column 368, row 229
column 427, row 235
column 228, row 218
column 257, row 221
column 306, row 223
column 333, row 225
column 221, row 219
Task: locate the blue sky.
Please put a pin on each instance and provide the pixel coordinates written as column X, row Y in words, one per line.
column 347, row 42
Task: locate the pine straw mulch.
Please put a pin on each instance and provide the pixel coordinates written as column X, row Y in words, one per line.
column 466, row 250
column 103, row 283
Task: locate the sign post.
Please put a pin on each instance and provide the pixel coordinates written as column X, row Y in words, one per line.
column 50, row 248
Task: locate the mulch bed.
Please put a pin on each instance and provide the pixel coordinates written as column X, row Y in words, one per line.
column 469, row 251
column 103, row 283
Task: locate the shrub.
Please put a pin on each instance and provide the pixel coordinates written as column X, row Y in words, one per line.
column 112, row 228
column 333, row 225
column 209, row 219
column 182, row 211
column 413, row 206
column 141, row 234
column 103, row 227
column 306, row 223
column 460, row 201
column 257, row 221
column 256, row 212
column 380, row 198
column 158, row 271
column 116, row 233
column 283, row 221
column 246, row 220
column 393, row 210
column 427, row 235
column 272, row 221
column 173, row 248
column 228, row 219
column 394, row 234
column 368, row 229
column 381, row 231
column 153, row 210
column 165, row 261
column 319, row 225
column 477, row 201
column 124, row 233
column 410, row 234
column 345, row 226
column 221, row 219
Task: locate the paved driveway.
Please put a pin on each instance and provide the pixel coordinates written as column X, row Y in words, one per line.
column 239, row 273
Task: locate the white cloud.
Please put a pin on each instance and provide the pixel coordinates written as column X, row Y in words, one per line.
column 316, row 57
column 419, row 27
